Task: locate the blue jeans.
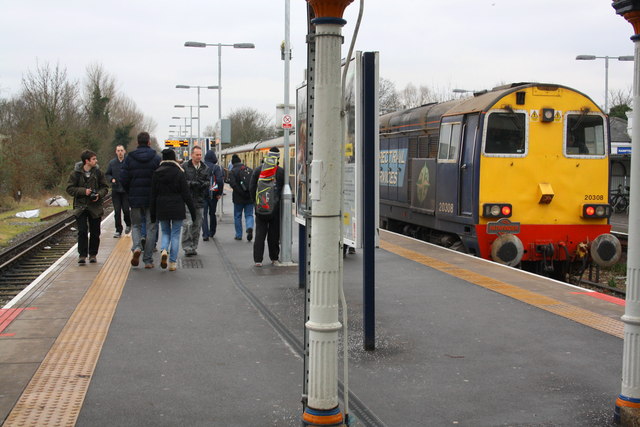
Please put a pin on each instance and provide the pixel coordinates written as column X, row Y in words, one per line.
column 139, row 217
column 171, row 237
column 209, row 220
column 238, row 208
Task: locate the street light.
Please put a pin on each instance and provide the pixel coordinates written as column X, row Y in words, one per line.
column 606, row 72
column 191, row 115
column 199, row 106
column 220, row 45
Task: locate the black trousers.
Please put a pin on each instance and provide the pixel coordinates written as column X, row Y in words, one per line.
column 121, row 205
column 269, row 227
column 88, row 234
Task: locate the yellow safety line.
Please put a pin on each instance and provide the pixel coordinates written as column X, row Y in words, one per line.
column 57, row 390
column 588, row 318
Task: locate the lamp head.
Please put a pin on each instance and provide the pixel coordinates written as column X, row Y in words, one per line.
column 585, row 57
column 195, row 44
column 244, row 46
column 183, row 87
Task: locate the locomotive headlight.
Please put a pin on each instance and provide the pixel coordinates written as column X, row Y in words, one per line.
column 596, row 211
column 496, row 210
column 547, row 114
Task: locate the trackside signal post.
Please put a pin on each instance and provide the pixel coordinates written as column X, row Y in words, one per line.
column 326, row 182
column 627, row 410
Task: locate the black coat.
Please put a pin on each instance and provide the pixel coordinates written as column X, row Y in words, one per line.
column 169, row 193
column 239, row 195
column 198, row 181
column 136, row 173
column 113, row 172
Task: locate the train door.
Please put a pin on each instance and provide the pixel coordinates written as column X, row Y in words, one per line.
column 448, row 176
column 467, row 166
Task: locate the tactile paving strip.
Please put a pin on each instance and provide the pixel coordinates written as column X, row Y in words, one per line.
column 56, row 392
column 588, row 318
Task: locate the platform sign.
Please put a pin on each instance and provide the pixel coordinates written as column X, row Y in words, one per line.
column 286, row 121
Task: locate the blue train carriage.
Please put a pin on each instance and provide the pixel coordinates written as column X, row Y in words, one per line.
column 518, row 174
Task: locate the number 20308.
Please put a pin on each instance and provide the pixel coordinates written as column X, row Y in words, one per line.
column 593, row 197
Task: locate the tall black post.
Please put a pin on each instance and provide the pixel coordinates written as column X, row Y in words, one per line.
column 369, row 194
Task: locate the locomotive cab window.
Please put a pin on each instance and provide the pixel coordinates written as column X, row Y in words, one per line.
column 505, row 133
column 584, row 135
column 449, row 143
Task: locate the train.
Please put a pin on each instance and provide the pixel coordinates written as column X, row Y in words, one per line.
column 518, row 174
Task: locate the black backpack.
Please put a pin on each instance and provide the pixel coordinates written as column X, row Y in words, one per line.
column 244, row 177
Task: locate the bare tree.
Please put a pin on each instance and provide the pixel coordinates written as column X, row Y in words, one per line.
column 387, row 96
column 249, row 125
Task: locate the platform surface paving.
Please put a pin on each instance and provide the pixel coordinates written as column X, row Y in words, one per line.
column 198, row 347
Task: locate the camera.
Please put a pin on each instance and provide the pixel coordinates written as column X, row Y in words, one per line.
column 93, row 196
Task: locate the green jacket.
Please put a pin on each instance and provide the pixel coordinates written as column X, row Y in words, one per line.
column 77, row 184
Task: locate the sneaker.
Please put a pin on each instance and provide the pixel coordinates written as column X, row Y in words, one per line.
column 238, row 238
column 205, row 239
column 92, row 259
column 275, row 262
column 163, row 259
column 258, row 264
column 173, row 266
column 249, row 234
column 127, row 230
column 82, row 260
column 135, row 259
column 149, row 266
column 117, row 235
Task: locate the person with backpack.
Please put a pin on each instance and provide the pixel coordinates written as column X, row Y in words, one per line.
column 239, row 180
column 212, row 195
column 266, row 187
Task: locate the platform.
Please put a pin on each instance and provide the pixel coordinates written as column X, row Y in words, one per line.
column 459, row 341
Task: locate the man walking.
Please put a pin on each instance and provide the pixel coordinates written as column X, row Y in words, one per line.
column 118, row 196
column 197, row 174
column 212, row 195
column 135, row 177
column 239, row 180
column 266, row 187
column 88, row 186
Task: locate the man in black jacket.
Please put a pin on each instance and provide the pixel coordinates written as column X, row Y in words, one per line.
column 197, row 174
column 118, row 196
column 135, row 177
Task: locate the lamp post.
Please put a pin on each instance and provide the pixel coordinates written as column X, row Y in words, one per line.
column 285, row 230
column 220, row 45
column 197, row 87
column 628, row 403
column 325, row 272
column 606, row 72
column 191, row 116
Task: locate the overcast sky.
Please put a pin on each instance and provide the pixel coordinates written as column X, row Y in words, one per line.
column 446, row 44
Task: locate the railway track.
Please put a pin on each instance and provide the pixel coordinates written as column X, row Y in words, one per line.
column 24, row 262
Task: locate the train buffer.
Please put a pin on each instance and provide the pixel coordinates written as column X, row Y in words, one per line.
column 459, row 341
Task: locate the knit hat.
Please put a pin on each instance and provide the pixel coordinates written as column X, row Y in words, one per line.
column 235, row 159
column 274, row 152
column 168, row 154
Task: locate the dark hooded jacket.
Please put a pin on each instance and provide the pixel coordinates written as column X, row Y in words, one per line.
column 135, row 176
column 211, row 160
column 77, row 185
column 170, row 193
